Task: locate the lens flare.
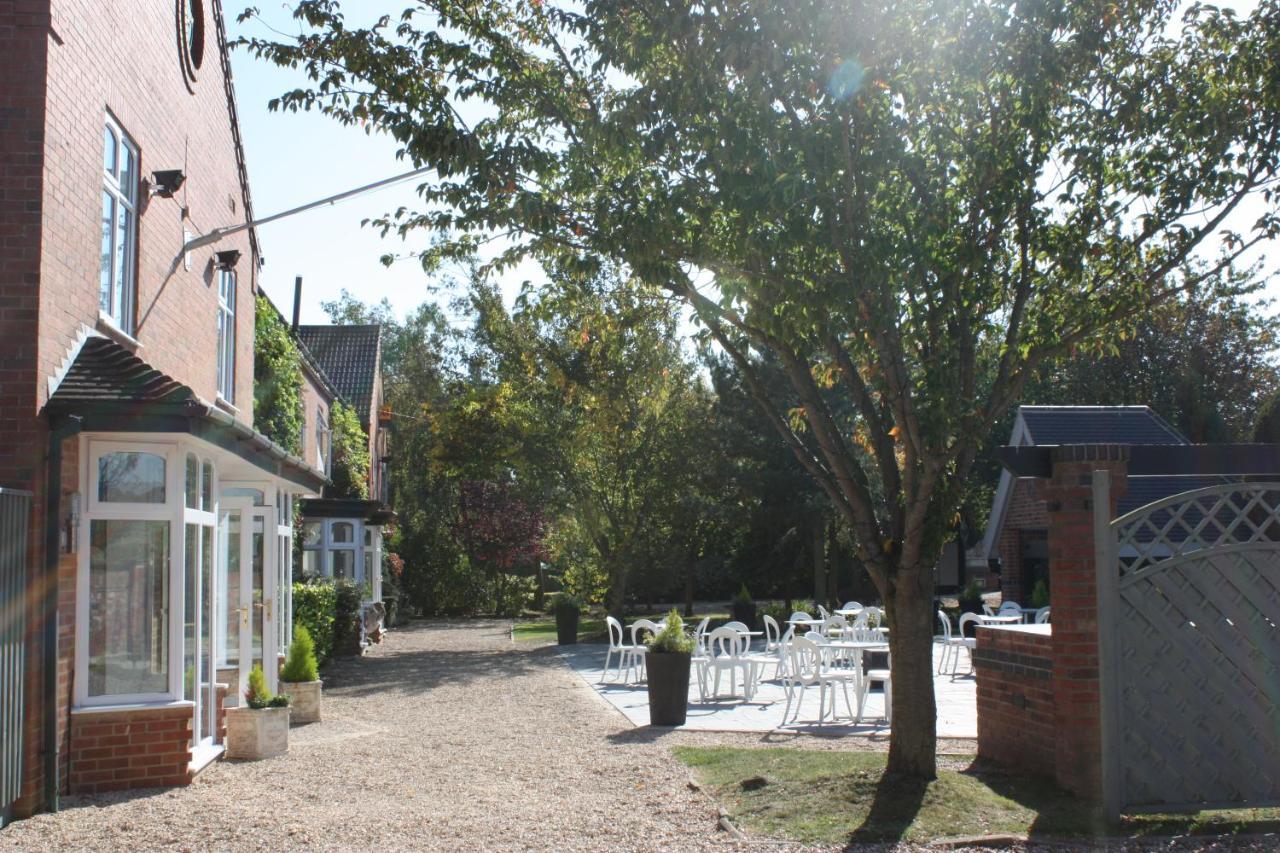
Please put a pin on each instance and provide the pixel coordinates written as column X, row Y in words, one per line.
column 846, row 80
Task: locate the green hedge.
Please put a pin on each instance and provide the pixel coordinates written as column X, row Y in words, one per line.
column 314, row 607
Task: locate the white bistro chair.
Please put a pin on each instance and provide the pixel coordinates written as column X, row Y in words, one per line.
column 968, row 643
column 1042, row 615
column 727, row 651
column 628, row 655
column 806, row 669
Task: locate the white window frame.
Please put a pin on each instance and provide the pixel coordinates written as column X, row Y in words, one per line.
column 122, row 294
column 172, row 511
column 227, row 285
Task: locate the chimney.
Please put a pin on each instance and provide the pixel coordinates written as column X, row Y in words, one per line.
column 297, row 300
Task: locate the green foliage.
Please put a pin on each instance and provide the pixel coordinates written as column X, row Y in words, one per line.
column 566, row 603
column 1267, row 428
column 350, row 474
column 258, row 696
column 972, row 592
column 314, row 606
column 301, row 665
column 743, row 595
column 672, row 639
column 277, row 378
column 1040, row 594
column 346, row 616
column 913, row 207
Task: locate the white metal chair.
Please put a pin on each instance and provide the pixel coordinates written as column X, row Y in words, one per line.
column 835, row 626
column 627, row 654
column 1010, row 608
column 772, row 633
column 963, row 642
column 876, row 676
column 784, row 654
column 986, row 609
column 1042, row 615
column 700, row 635
column 822, row 613
column 806, row 669
column 639, row 650
column 727, row 650
column 770, row 655
column 800, row 617
column 852, row 605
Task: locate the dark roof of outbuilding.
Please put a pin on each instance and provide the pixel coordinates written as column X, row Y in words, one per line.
column 109, row 389
column 348, row 355
column 1097, row 425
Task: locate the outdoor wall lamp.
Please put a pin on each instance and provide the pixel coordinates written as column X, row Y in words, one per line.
column 228, row 259
column 167, row 182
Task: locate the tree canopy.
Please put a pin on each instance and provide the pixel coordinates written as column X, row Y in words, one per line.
column 912, row 206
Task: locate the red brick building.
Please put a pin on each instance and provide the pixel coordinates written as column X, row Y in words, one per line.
column 1017, row 529
column 159, row 542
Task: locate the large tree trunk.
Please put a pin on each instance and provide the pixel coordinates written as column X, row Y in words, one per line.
column 819, row 562
column 914, row 726
column 618, row 594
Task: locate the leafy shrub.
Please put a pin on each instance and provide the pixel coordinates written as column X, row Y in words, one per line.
column 257, row 696
column 314, row 608
column 346, row 616
column 672, row 639
column 744, row 596
column 350, row 471
column 1040, row 594
column 277, row 378
column 972, row 592
column 301, row 664
column 780, row 612
column 566, row 603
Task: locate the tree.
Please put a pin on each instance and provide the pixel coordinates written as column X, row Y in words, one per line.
column 913, row 206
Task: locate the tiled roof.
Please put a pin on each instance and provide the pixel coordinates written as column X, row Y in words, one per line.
column 112, row 390
column 348, row 355
column 105, row 372
column 1097, row 425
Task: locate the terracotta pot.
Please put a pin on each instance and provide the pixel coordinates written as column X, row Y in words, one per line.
column 254, row 733
column 304, row 700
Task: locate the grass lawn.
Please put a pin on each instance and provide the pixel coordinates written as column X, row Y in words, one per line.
column 822, row 796
column 591, row 630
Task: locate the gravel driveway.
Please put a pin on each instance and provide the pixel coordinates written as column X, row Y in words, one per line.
column 447, row 736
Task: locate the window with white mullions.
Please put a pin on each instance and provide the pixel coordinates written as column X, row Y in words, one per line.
column 116, row 279
column 227, row 335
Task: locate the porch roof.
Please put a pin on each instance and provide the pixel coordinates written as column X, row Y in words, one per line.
column 107, row 388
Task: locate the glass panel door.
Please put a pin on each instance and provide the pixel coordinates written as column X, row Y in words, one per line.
column 249, row 587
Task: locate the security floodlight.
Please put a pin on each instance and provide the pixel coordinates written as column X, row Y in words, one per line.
column 167, row 182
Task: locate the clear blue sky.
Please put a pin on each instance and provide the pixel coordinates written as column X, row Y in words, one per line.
column 297, row 158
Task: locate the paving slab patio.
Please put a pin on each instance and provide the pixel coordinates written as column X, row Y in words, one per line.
column 956, row 697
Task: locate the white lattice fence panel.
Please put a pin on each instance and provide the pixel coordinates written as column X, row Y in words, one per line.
column 1199, row 649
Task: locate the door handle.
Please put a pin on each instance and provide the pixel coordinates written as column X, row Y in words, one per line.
column 244, row 614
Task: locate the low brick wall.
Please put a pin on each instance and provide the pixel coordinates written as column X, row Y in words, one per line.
column 1016, row 718
column 143, row 748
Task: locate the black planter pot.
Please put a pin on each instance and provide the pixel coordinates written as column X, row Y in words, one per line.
column 974, row 606
column 744, row 612
column 668, row 687
column 566, row 627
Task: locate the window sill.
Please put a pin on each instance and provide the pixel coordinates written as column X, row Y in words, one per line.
column 132, row 706
column 226, row 406
column 108, row 327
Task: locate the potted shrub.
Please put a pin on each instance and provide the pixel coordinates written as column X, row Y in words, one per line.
column 971, row 598
column 567, row 611
column 301, row 677
column 1040, row 594
column 667, row 662
column 743, row 608
column 260, row 727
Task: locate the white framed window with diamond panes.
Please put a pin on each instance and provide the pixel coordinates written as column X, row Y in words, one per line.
column 117, row 278
column 129, row 614
column 227, row 335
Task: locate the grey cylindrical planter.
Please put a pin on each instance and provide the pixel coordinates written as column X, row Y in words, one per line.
column 567, row 627
column 254, row 733
column 304, row 700
column 668, row 676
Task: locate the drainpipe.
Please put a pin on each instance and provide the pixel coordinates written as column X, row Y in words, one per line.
column 59, row 432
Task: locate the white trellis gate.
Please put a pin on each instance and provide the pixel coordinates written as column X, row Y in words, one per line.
column 1189, row 648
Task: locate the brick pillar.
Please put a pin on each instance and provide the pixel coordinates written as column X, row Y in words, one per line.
column 1074, row 599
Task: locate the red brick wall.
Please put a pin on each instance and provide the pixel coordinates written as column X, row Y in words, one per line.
column 123, row 57
column 130, row 749
column 65, row 64
column 1016, row 718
